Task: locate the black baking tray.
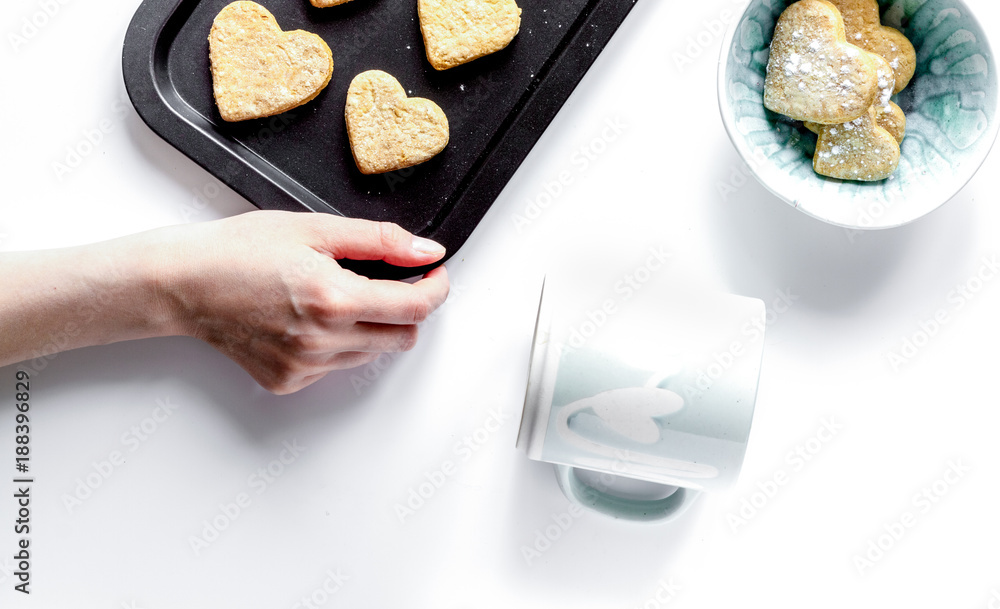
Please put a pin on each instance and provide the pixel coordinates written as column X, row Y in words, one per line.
column 497, row 108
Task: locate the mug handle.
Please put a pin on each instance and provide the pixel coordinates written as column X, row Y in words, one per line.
column 641, row 510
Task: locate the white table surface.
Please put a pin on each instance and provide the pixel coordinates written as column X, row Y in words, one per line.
column 332, row 511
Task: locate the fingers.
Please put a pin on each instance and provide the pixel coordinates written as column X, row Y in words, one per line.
column 289, row 386
column 361, row 337
column 331, row 319
column 292, row 377
column 387, row 328
column 395, row 302
column 365, row 240
column 378, row 338
column 343, row 361
column 307, row 358
column 351, row 359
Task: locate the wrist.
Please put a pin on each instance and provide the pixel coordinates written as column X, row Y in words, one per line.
column 144, row 280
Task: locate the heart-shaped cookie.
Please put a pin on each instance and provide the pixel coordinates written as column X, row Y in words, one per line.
column 888, row 115
column 891, row 118
column 857, row 150
column 813, row 73
column 864, row 29
column 259, row 70
column 458, row 31
column 387, row 129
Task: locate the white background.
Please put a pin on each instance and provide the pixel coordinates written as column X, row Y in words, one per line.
column 856, row 297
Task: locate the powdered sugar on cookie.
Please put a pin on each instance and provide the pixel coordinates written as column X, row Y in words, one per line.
column 813, row 73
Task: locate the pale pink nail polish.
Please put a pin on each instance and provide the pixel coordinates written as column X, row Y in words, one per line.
column 426, row 246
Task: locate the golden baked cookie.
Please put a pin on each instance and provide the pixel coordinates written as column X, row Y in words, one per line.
column 813, row 73
column 864, row 29
column 259, row 70
column 888, row 115
column 890, row 118
column 893, row 120
column 856, row 150
column 886, row 81
column 458, row 31
column 326, row 3
column 387, row 129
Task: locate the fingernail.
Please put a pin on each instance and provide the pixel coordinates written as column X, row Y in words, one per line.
column 426, row 246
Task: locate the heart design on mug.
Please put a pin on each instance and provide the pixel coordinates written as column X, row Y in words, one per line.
column 257, row 69
column 458, row 31
column 630, row 411
column 813, row 73
column 387, row 129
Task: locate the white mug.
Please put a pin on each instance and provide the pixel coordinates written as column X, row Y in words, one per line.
column 659, row 387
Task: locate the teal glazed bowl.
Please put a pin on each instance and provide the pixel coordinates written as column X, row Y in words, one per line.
column 950, row 106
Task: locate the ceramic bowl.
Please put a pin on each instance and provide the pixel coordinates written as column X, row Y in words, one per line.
column 950, row 106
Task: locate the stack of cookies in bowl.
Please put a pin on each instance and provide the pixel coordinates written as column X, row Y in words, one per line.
column 948, row 91
column 835, row 67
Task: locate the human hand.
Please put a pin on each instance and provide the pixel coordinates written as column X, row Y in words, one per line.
column 265, row 289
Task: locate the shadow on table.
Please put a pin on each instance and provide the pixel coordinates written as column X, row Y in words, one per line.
column 765, row 245
column 210, row 379
column 563, row 552
column 208, row 197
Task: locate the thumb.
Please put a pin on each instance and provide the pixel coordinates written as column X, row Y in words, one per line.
column 366, row 240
